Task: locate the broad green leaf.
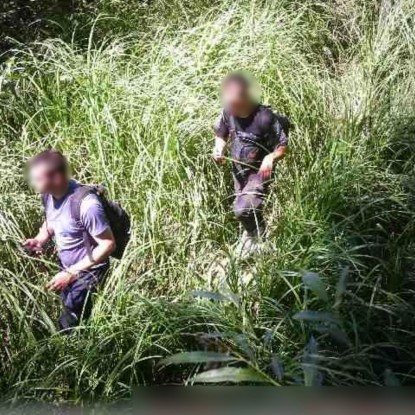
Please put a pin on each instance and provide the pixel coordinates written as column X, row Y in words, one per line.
column 310, row 315
column 339, row 335
column 211, row 296
column 197, row 357
column 315, row 284
column 390, row 378
column 312, row 377
column 242, row 341
column 336, row 333
column 230, row 374
column 268, row 338
column 341, row 285
column 277, row 368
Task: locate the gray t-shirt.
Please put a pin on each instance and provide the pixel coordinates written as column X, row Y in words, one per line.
column 69, row 235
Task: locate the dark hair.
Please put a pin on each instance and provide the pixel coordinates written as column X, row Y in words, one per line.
column 54, row 159
column 238, row 78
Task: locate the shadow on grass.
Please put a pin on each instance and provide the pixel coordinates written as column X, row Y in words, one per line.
column 25, row 21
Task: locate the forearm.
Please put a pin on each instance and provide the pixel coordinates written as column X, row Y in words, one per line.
column 220, row 145
column 43, row 235
column 99, row 254
column 279, row 152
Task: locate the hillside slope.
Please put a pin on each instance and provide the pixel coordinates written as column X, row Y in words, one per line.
column 330, row 301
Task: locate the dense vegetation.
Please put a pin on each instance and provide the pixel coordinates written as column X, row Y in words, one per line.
column 130, row 94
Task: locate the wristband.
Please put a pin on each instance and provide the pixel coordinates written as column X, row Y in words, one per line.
column 74, row 275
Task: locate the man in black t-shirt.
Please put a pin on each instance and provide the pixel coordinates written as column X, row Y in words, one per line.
column 257, row 141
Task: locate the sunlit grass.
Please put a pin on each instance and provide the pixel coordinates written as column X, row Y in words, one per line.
column 135, row 113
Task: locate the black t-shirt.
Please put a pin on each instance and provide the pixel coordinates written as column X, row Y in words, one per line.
column 253, row 137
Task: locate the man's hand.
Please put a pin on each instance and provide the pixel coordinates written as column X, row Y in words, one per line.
column 268, row 163
column 266, row 166
column 36, row 244
column 33, row 245
column 219, row 150
column 218, row 155
column 60, row 281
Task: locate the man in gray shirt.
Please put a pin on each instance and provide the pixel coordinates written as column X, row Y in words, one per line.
column 257, row 141
column 83, row 262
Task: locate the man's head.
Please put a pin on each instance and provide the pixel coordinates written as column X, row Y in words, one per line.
column 237, row 94
column 49, row 172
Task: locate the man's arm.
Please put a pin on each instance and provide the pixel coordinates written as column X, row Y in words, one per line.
column 270, row 159
column 221, row 130
column 36, row 244
column 105, row 246
column 279, row 152
column 219, row 150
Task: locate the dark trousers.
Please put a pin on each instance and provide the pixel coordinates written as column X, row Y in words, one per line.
column 77, row 297
column 250, row 192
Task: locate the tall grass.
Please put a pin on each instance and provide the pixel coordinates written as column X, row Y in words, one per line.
column 329, row 302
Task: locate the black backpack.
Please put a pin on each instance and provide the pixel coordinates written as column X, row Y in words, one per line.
column 118, row 218
column 285, row 123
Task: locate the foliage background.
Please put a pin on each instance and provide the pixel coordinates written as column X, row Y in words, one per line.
column 129, row 91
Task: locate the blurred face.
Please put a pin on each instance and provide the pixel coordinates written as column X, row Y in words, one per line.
column 45, row 180
column 236, row 98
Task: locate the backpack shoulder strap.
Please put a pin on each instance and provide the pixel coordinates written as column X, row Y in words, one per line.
column 75, row 207
column 79, row 195
column 233, row 123
column 284, row 122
